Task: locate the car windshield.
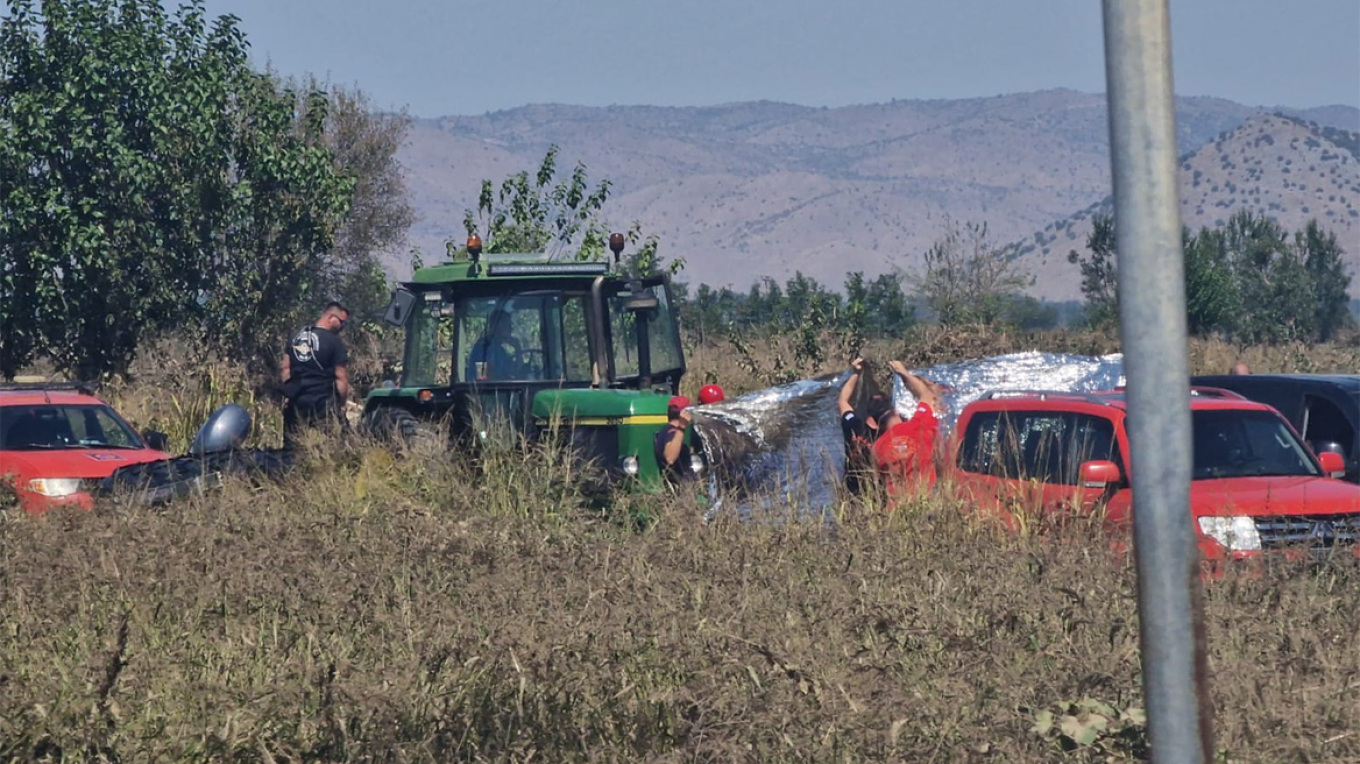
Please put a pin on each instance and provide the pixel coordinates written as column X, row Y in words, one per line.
column 1237, row 443
column 47, row 426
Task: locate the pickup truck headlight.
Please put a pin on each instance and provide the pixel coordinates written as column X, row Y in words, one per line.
column 54, row 486
column 1236, row 534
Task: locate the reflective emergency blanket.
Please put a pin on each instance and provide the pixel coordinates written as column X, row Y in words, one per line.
column 781, row 448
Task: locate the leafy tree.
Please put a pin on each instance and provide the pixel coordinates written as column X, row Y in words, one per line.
column 1099, row 274
column 1248, row 279
column 364, row 145
column 1275, row 298
column 967, row 279
column 150, row 180
column 1027, row 312
column 562, row 217
column 542, row 213
column 1322, row 259
column 1211, row 299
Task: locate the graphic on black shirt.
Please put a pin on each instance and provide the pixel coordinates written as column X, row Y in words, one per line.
column 314, row 353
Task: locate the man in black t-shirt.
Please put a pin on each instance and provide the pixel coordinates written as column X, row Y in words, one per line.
column 315, row 375
column 860, row 434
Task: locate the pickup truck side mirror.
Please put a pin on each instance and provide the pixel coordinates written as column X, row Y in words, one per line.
column 1099, row 474
column 1332, row 463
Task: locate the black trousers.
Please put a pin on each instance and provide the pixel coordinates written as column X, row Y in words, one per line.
column 303, row 413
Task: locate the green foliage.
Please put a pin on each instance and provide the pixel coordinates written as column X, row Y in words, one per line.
column 1099, row 277
column 868, row 309
column 1248, row 279
column 1097, row 728
column 542, row 213
column 967, row 280
column 150, row 179
column 562, row 217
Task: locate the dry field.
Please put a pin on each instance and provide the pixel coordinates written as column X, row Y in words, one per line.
column 371, row 608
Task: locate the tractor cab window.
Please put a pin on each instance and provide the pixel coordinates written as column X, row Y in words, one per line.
column 429, row 345
column 661, row 332
column 538, row 336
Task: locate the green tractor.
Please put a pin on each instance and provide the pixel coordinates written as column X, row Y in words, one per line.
column 506, row 347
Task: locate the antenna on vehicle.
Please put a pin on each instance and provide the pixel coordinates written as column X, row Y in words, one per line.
column 474, row 248
column 616, row 246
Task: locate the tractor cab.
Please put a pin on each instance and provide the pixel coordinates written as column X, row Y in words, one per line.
column 501, row 347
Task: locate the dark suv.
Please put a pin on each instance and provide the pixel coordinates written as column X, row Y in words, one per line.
column 1324, row 408
column 1255, row 485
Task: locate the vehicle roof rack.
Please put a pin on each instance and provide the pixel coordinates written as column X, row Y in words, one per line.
column 1098, row 397
column 84, row 388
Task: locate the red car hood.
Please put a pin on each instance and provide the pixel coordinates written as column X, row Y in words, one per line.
column 88, row 463
column 1274, row 496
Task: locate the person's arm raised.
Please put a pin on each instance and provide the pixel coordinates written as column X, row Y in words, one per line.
column 848, row 389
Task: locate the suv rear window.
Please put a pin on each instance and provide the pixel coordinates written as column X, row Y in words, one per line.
column 1047, row 446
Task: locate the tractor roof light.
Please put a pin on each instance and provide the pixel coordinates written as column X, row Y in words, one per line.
column 616, row 241
column 474, row 248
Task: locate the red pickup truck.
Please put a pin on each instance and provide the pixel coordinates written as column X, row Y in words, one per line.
column 1255, row 485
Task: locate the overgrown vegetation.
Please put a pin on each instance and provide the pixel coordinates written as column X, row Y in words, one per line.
column 424, row 608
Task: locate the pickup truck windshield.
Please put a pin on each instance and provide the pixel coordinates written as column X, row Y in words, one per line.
column 1237, row 443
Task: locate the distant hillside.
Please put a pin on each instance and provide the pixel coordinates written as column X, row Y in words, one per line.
column 752, row 189
column 1273, row 164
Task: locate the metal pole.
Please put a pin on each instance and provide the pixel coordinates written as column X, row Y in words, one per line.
column 1152, row 327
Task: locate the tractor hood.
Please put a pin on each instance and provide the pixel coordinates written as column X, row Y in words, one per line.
column 612, row 404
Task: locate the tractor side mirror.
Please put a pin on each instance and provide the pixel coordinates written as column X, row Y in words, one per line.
column 399, row 309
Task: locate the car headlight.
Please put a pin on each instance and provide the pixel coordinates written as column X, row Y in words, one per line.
column 630, row 465
column 1236, row 534
column 54, row 486
column 697, row 464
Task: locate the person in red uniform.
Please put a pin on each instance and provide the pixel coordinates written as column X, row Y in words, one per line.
column 905, row 451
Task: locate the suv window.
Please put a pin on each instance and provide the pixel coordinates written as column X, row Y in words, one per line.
column 1047, row 446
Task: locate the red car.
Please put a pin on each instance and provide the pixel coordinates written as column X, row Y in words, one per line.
column 58, row 441
column 1255, row 485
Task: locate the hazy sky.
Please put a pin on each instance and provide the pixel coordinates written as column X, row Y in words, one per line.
column 437, row 57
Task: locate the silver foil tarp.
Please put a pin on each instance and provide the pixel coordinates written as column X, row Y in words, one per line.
column 970, row 380
column 781, row 448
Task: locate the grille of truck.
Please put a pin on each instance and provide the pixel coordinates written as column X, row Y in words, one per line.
column 1317, row 531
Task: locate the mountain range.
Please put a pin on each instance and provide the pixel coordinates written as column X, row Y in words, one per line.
column 748, row 190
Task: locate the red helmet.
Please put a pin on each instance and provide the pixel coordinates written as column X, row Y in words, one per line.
column 711, row 394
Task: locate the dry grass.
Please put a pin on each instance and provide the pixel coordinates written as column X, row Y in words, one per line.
column 420, row 609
